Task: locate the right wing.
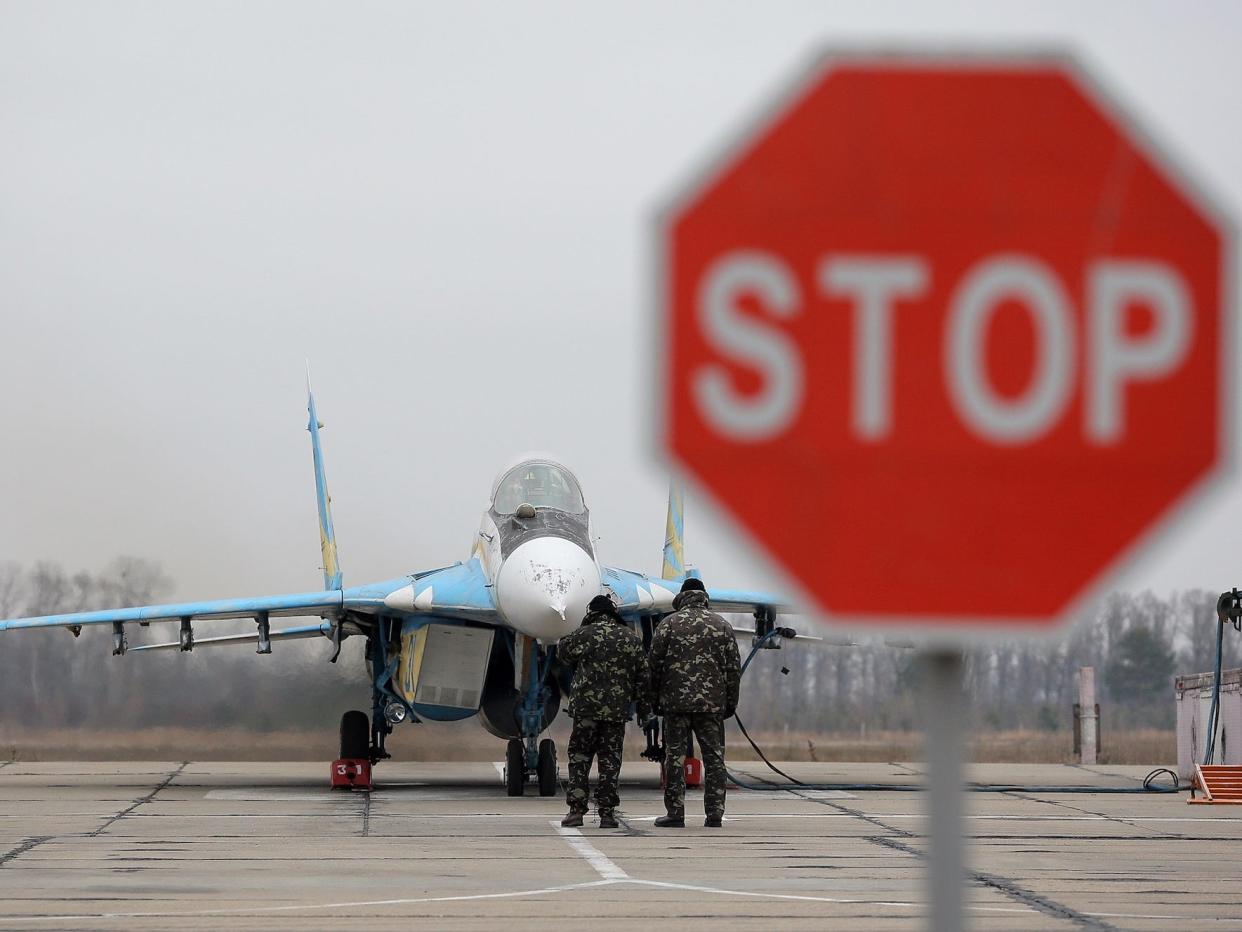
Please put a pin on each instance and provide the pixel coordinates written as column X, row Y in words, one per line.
column 639, row 594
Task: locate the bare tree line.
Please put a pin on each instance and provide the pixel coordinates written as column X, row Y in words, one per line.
column 48, row 679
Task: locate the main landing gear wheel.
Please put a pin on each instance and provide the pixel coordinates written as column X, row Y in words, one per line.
column 547, row 767
column 355, row 736
column 515, row 768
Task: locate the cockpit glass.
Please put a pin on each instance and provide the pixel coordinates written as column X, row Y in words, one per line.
column 540, row 484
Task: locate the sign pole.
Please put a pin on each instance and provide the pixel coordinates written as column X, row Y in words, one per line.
column 945, row 751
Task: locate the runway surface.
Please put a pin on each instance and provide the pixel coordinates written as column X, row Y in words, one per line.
column 440, row 846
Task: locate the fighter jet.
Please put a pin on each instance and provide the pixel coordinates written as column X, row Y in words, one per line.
column 477, row 637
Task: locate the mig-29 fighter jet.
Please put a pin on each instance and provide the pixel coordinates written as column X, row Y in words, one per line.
column 474, row 638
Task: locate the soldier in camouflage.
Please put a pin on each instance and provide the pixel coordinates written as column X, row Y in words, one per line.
column 611, row 673
column 696, row 672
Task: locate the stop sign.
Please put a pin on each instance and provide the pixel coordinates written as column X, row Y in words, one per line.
column 944, row 339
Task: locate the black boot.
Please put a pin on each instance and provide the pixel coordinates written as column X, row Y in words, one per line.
column 676, row 819
column 713, row 820
column 607, row 819
column 573, row 819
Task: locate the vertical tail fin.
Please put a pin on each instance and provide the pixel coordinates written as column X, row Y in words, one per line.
column 674, row 532
column 327, row 535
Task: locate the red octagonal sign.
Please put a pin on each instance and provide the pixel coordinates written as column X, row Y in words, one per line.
column 945, row 339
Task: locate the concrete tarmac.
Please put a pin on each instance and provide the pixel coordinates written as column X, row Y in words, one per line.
column 440, row 846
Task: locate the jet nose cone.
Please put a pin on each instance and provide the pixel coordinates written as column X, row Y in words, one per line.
column 544, row 586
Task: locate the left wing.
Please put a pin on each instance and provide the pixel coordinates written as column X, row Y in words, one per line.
column 457, row 591
column 639, row 594
column 305, row 603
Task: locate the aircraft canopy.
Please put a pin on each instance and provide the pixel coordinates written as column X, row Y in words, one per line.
column 542, row 484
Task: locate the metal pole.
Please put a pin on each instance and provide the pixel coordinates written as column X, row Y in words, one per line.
column 945, row 751
column 1086, row 714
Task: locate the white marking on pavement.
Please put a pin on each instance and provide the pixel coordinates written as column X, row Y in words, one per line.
column 597, row 859
column 243, row 910
column 765, row 816
column 577, row 841
column 785, row 795
column 263, row 796
column 360, row 904
column 500, row 768
column 818, row 899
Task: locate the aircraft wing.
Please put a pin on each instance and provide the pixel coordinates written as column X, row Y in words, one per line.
column 458, row 591
column 639, row 594
column 305, row 603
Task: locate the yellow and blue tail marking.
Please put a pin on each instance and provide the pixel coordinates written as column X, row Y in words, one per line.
column 327, row 536
column 674, row 536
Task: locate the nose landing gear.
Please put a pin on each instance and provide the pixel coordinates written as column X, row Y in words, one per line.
column 527, row 756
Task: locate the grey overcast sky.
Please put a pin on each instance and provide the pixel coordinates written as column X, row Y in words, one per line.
column 447, row 209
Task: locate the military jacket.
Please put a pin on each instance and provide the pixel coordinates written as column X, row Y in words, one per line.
column 695, row 664
column 611, row 670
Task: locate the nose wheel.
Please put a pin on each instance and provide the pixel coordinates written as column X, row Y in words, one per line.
column 518, row 769
column 515, row 768
column 355, row 736
column 546, row 768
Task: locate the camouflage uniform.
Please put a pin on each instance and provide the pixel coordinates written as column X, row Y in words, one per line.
column 611, row 673
column 696, row 672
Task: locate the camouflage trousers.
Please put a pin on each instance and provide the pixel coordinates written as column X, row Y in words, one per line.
column 592, row 738
column 708, row 728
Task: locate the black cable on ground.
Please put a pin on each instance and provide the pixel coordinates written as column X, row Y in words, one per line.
column 1149, row 782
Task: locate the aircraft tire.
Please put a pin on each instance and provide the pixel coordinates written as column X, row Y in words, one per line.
column 355, row 735
column 515, row 768
column 547, row 767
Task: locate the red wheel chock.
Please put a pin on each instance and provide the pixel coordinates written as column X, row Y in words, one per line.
column 694, row 773
column 351, row 774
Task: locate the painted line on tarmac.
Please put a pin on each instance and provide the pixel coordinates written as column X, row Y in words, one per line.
column 970, row 818
column 784, row 795
column 411, row 901
column 327, row 796
column 604, row 866
column 361, row 904
column 898, row 904
column 748, row 816
column 262, row 796
column 356, row 904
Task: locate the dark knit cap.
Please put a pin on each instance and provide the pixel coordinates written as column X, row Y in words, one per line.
column 602, row 603
column 693, row 585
